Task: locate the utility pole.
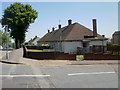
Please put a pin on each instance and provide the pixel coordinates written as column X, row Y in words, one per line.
column 6, row 29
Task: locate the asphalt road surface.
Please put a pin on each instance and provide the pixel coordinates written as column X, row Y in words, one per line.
column 85, row 76
column 69, row 76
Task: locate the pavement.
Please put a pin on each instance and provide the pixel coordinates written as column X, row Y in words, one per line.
column 3, row 54
column 13, row 56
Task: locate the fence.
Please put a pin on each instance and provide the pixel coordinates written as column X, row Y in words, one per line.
column 113, row 49
column 98, row 49
column 109, row 52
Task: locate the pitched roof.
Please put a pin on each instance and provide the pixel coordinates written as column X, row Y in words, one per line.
column 74, row 31
column 35, row 38
column 116, row 32
column 32, row 40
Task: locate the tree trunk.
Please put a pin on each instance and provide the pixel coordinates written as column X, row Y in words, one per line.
column 20, row 44
column 16, row 44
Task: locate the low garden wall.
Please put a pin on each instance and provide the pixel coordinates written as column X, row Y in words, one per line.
column 93, row 56
column 53, row 55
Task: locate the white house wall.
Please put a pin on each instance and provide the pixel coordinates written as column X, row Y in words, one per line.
column 35, row 41
column 98, row 43
column 71, row 47
column 39, row 43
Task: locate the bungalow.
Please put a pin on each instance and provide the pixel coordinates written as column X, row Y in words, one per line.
column 71, row 38
column 34, row 40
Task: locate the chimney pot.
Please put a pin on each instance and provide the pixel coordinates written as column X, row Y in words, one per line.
column 59, row 26
column 103, row 35
column 48, row 31
column 53, row 29
column 69, row 21
column 94, row 28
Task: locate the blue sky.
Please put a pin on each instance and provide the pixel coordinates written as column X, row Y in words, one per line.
column 49, row 14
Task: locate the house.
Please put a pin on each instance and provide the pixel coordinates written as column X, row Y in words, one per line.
column 73, row 37
column 34, row 40
column 29, row 42
column 116, row 37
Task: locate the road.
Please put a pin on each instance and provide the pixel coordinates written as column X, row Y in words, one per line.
column 67, row 76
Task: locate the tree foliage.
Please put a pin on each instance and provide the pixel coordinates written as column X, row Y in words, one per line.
column 18, row 17
column 4, row 38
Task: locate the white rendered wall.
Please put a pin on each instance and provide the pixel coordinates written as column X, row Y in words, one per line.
column 35, row 41
column 98, row 43
column 71, row 47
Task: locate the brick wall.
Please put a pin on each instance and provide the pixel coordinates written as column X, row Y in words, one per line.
column 92, row 56
column 48, row 55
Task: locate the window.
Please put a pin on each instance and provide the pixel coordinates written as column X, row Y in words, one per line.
column 84, row 44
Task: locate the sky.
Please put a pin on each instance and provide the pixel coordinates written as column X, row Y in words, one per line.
column 50, row 14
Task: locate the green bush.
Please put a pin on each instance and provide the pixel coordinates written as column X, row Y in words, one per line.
column 80, row 57
column 113, row 48
column 44, row 45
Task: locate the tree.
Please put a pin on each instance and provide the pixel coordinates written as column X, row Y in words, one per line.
column 0, row 37
column 4, row 38
column 18, row 17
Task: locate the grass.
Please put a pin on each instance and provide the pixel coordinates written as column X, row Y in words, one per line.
column 80, row 57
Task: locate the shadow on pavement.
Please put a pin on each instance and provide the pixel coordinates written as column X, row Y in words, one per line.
column 9, row 62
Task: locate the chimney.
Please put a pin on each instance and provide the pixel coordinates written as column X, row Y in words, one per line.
column 103, row 35
column 53, row 29
column 35, row 36
column 48, row 31
column 69, row 21
column 94, row 28
column 59, row 26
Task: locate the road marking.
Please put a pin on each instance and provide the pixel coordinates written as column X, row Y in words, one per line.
column 91, row 73
column 24, row 75
column 43, row 82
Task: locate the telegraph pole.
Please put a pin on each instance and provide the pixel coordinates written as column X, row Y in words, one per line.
column 6, row 29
